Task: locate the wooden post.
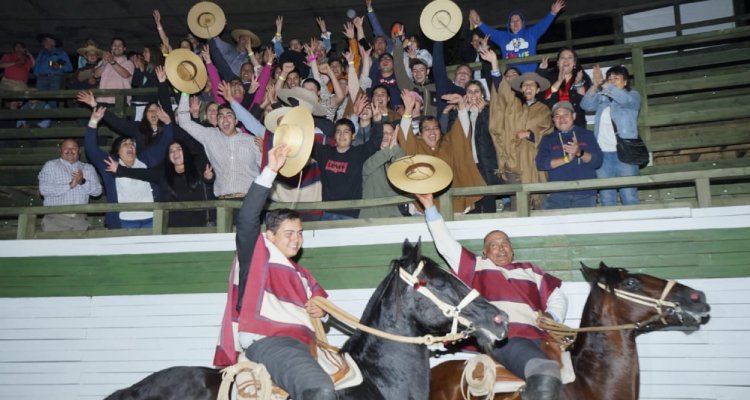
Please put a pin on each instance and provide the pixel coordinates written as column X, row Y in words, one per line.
column 224, row 219
column 522, row 204
column 26, row 226
column 703, row 192
column 639, row 77
column 446, row 205
column 160, row 221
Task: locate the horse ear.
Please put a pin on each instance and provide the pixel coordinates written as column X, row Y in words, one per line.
column 407, row 248
column 589, row 274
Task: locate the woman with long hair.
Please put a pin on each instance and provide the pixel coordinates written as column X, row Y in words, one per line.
column 569, row 82
column 179, row 179
column 144, row 76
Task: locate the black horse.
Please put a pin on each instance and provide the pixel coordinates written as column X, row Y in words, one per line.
column 391, row 370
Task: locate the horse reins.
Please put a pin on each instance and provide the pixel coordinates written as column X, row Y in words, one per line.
column 411, row 279
column 566, row 335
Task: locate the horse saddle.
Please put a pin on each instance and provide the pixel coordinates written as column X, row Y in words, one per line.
column 484, row 376
column 341, row 367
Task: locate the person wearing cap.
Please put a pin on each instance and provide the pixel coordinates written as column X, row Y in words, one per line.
column 51, row 64
column 521, row 289
column 518, row 41
column 17, row 65
column 617, row 107
column 267, row 315
column 64, row 181
column 569, row 153
column 114, row 71
column 228, row 58
column 517, row 125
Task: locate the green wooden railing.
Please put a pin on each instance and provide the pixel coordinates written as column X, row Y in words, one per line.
column 700, row 183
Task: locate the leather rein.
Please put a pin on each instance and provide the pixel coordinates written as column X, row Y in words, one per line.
column 453, row 312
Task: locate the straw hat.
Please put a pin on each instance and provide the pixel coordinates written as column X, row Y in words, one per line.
column 441, row 20
column 420, row 174
column 206, row 20
column 89, row 49
column 300, row 96
column 254, row 39
column 529, row 76
column 297, row 130
column 185, row 71
column 272, row 119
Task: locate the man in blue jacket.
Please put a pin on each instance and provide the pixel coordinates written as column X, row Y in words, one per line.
column 519, row 41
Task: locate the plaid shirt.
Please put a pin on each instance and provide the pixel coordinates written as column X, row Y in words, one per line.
column 54, row 183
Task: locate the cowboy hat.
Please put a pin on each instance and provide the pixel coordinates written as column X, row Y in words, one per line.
column 272, row 119
column 206, row 20
column 300, row 96
column 254, row 39
column 297, row 131
column 440, row 20
column 420, row 174
column 529, row 76
column 90, row 49
column 185, row 71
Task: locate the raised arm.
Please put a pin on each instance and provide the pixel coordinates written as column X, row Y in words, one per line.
column 162, row 34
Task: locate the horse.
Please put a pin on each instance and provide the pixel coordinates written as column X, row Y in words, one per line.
column 606, row 362
column 391, row 370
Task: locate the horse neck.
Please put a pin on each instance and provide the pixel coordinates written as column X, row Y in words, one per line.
column 609, row 356
column 397, row 370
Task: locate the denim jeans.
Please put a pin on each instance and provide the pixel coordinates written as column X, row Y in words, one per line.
column 570, row 200
column 332, row 216
column 137, row 224
column 613, row 167
column 49, row 82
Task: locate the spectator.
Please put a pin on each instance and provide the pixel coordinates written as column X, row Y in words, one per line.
column 51, row 64
column 384, row 76
column 521, row 289
column 17, row 66
column 569, row 153
column 454, row 148
column 66, row 181
column 519, row 41
column 126, row 190
column 397, row 30
column 34, row 105
column 341, row 166
column 84, row 77
column 472, row 50
column 114, row 71
column 417, row 80
column 374, row 179
column 82, row 59
column 518, row 121
column 178, row 180
column 228, row 58
column 234, row 155
column 381, row 97
column 570, row 82
column 617, row 107
column 144, row 76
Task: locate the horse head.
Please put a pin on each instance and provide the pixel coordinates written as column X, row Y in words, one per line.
column 648, row 302
column 442, row 303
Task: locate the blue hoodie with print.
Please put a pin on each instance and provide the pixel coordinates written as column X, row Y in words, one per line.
column 520, row 44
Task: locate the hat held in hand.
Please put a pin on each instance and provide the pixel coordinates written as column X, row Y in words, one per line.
column 420, row 174
column 441, row 20
column 206, row 20
column 297, row 130
column 186, row 71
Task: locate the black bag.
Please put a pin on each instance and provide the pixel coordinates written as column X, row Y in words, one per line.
column 632, row 151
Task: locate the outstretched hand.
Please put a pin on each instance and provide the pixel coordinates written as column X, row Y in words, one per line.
column 474, row 18
column 86, row 97
column 277, row 157
column 426, row 199
column 161, row 74
column 557, row 6
column 111, row 164
column 225, row 90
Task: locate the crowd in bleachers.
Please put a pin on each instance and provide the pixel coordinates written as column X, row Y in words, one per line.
column 383, row 97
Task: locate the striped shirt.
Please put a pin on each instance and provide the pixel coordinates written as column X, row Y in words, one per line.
column 235, row 159
column 54, row 183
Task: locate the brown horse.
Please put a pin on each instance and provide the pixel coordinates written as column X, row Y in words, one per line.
column 606, row 362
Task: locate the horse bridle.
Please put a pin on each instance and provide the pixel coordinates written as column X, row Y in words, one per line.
column 448, row 310
column 662, row 306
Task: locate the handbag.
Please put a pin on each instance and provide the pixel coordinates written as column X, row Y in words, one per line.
column 631, row 151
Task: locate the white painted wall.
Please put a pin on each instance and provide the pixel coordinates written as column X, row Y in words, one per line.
column 85, row 348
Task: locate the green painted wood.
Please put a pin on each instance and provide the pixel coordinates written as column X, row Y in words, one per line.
column 708, row 109
column 706, row 57
column 713, row 81
column 681, row 137
column 678, row 254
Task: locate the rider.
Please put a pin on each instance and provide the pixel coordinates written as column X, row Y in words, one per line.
column 520, row 289
column 270, row 299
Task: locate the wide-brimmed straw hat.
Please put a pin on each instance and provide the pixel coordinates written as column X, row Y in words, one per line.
column 297, row 131
column 254, row 39
column 90, row 49
column 185, row 71
column 529, row 76
column 300, row 96
column 420, row 174
column 441, row 20
column 272, row 119
column 206, row 20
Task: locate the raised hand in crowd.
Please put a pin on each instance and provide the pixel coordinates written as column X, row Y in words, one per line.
column 474, row 18
column 279, row 24
column 277, row 157
column 111, row 164
column 358, row 22
column 557, row 6
column 455, row 99
column 97, row 113
column 254, row 85
column 348, row 30
column 162, row 34
column 484, row 42
column 161, row 74
column 368, row 3
column 86, row 97
column 545, row 63
column 225, row 90
column 377, row 112
column 321, row 24
column 409, row 102
column 490, row 56
column 598, row 78
column 360, row 104
column 206, row 54
column 163, row 116
column 208, row 173
column 269, row 55
column 195, row 106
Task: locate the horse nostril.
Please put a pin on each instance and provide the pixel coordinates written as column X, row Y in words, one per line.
column 499, row 319
column 695, row 296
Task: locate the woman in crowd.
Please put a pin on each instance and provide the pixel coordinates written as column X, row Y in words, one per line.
column 144, row 76
column 617, row 107
column 179, row 179
column 569, row 82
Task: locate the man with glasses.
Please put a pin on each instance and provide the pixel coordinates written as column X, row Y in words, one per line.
column 234, row 155
column 569, row 153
